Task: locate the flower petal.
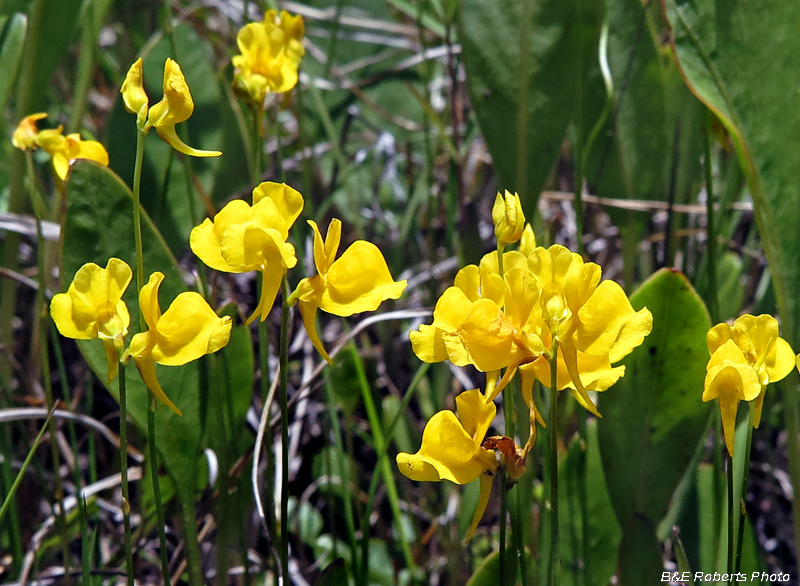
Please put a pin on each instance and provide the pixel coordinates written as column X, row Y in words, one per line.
column 451, row 451
column 147, row 370
column 188, row 330
column 359, row 281
column 475, row 413
column 486, row 481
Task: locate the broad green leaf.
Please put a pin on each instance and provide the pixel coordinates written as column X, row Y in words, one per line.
column 163, row 185
column 654, row 417
column 523, row 123
column 12, row 39
column 99, row 226
column 741, row 60
column 639, row 561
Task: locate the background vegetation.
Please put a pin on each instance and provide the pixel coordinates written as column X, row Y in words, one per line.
column 675, row 123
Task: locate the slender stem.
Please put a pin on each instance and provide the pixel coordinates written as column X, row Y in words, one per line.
column 376, row 429
column 258, row 147
column 153, row 457
column 151, row 402
column 503, row 520
column 577, row 147
column 553, row 561
column 123, row 470
column 743, row 496
column 283, row 358
column 509, row 417
column 731, row 516
column 137, row 217
column 9, row 499
column 711, row 236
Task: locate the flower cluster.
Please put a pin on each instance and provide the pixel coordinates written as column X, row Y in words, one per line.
column 243, row 238
column 93, row 308
column 518, row 310
column 745, row 358
column 270, row 56
column 175, row 106
column 62, row 149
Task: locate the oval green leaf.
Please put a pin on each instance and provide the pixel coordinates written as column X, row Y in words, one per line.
column 654, row 416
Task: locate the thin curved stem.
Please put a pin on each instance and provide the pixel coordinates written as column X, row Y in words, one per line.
column 553, row 468
column 743, row 496
column 283, row 387
column 123, row 470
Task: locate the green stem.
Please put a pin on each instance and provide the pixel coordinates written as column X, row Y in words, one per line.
column 151, row 404
column 731, row 517
column 283, row 391
column 9, row 499
column 711, row 236
column 503, row 520
column 373, row 484
column 153, row 457
column 577, row 147
column 380, row 445
column 123, row 469
column 553, row 561
column 790, row 405
column 258, row 147
column 349, row 518
column 137, row 217
column 743, row 495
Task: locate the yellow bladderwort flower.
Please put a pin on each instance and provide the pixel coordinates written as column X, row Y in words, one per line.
column 244, row 238
column 175, row 106
column 765, row 353
column 357, row 281
column 508, row 219
column 188, row 330
column 561, row 298
column 65, row 149
column 440, row 340
column 93, row 307
column 452, row 449
column 62, row 149
column 270, row 56
column 24, row 137
column 730, row 379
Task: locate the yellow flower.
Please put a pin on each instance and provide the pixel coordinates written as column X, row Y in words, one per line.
column 65, row 149
column 24, row 137
column 175, row 106
column 440, row 340
column 93, row 307
column 769, row 357
column 559, row 298
column 244, row 238
column 730, row 379
column 527, row 242
column 188, row 330
column 133, row 95
column 507, row 217
column 357, row 281
column 270, row 56
column 451, row 449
